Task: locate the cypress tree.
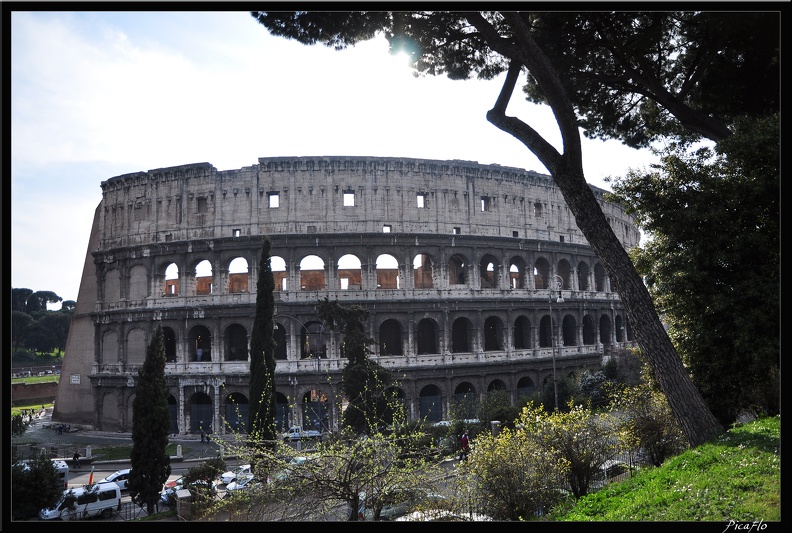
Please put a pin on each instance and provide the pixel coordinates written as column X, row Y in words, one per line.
column 261, row 423
column 150, row 463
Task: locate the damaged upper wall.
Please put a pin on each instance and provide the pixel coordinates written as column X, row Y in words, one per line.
column 341, row 195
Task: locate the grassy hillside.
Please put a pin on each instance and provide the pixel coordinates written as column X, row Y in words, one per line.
column 737, row 477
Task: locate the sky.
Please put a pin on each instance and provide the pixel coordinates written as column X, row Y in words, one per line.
column 98, row 94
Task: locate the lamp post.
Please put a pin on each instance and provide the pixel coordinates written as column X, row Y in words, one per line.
column 560, row 300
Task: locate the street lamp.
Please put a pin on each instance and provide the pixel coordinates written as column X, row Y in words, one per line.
column 560, row 300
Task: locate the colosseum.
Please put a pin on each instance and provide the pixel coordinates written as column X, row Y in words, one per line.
column 460, row 265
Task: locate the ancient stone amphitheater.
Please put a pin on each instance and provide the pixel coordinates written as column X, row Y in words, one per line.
column 461, row 266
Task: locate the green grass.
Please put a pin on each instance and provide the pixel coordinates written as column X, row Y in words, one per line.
column 49, row 378
column 17, row 409
column 736, row 477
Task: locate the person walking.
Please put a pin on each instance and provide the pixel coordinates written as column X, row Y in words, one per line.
column 465, row 446
column 76, row 458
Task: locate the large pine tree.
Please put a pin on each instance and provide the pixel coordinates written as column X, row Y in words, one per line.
column 261, row 424
column 150, row 463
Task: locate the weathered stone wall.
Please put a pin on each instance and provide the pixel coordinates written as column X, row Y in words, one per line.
column 33, row 393
column 473, row 316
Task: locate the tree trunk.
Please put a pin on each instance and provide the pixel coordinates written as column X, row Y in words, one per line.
column 691, row 411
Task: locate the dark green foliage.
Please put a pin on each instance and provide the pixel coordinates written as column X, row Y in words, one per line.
column 149, row 461
column 615, row 68
column 34, row 326
column 261, row 419
column 34, row 488
column 18, row 426
column 713, row 263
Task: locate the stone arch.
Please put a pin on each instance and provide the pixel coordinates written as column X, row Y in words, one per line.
column 136, row 347
column 390, row 337
column 281, row 343
column 112, row 291
column 111, row 418
column 138, row 282
column 201, row 413
column 525, row 387
column 312, row 273
column 489, row 269
column 423, row 271
column 619, row 329
column 312, row 340
column 109, row 348
column 199, row 347
column 388, row 275
column 545, row 332
column 522, row 333
column 583, row 276
column 427, row 337
column 316, row 410
column 282, row 410
column 589, row 331
column 169, row 340
column 457, row 270
column 493, row 334
column 599, row 277
column 430, row 401
column 279, row 274
column 517, row 273
column 605, row 329
column 496, row 385
column 171, row 279
column 462, row 335
column 236, row 412
column 350, row 273
column 236, row 343
column 465, row 401
column 238, row 275
column 204, row 283
column 565, row 271
column 541, row 273
column 569, row 330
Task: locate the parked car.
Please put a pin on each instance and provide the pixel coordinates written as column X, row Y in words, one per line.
column 119, row 477
column 232, row 475
column 284, row 473
column 243, row 482
column 169, row 490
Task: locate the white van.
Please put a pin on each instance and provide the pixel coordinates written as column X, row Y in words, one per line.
column 99, row 499
column 61, row 467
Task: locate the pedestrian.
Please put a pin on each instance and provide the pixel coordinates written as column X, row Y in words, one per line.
column 202, row 435
column 465, row 446
column 76, row 458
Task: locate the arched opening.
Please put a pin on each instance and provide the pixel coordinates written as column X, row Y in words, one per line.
column 350, row 275
column 456, row 270
column 465, row 401
column 171, row 280
column 388, row 272
column 169, row 340
column 390, row 338
column 493, row 331
column 589, row 331
column 237, row 411
column 200, row 344
column 279, row 274
column 541, row 273
column 430, row 404
column 238, row 275
column 426, row 337
column 203, row 278
column 312, row 274
column 423, row 275
column 281, row 344
column 201, row 413
column 605, row 330
column 569, row 330
column 236, row 343
column 522, row 333
column 583, row 276
column 489, row 271
column 316, row 413
column 461, row 336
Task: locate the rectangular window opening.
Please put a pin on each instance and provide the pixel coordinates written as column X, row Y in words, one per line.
column 387, row 228
column 274, row 200
column 237, row 232
column 420, row 200
column 349, row 199
column 457, row 231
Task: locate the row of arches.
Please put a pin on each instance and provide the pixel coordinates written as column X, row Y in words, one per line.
column 296, row 340
column 317, row 410
column 423, row 271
